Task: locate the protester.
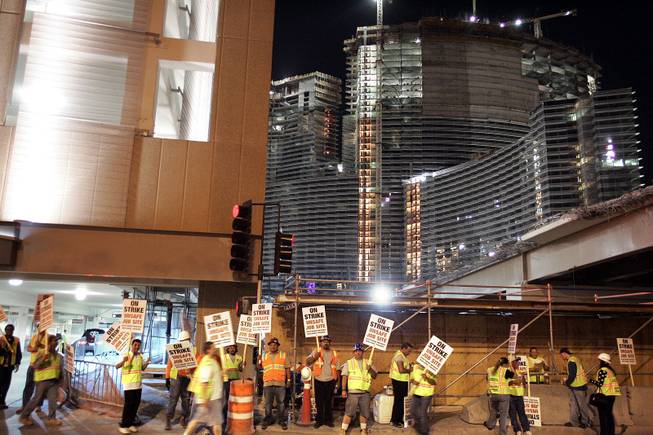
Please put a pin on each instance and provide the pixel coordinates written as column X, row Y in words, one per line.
column 517, row 412
column 36, row 343
column 357, row 377
column 132, row 383
column 576, row 381
column 400, row 376
column 326, row 376
column 608, row 389
column 47, row 376
column 10, row 358
column 233, row 367
column 424, row 383
column 276, row 373
column 498, row 378
column 207, row 387
column 177, row 382
column 537, row 367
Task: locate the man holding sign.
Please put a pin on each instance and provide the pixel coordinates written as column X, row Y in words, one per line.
column 132, row 366
column 178, row 378
column 324, row 364
column 357, row 377
column 10, row 357
column 424, row 389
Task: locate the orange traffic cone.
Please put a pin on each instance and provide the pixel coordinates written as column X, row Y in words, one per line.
column 305, row 416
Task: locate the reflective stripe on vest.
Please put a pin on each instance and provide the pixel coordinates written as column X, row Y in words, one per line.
column 33, row 343
column 51, row 370
column 394, row 368
column 231, row 366
column 497, row 382
column 13, row 348
column 358, row 379
column 518, row 390
column 203, row 394
column 132, row 371
column 424, row 388
column 319, row 362
column 274, row 369
column 581, row 376
column 610, row 385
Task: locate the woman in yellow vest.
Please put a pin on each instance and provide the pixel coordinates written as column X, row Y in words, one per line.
column 132, row 366
column 518, row 419
column 206, row 385
column 10, row 358
column 400, row 376
column 47, row 374
column 356, row 378
column 498, row 378
column 423, row 390
column 607, row 384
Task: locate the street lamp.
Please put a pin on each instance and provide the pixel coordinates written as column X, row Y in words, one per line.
column 381, row 294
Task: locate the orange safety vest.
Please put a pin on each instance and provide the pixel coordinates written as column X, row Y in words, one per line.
column 319, row 363
column 274, row 369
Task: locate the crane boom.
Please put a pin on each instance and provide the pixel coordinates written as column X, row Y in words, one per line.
column 537, row 21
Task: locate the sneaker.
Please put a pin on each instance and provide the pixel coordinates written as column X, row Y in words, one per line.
column 25, row 421
column 53, row 422
column 133, row 429
column 123, row 430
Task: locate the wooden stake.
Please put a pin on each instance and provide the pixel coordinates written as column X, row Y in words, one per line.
column 244, row 363
column 630, row 371
column 528, row 378
column 317, row 343
column 369, row 361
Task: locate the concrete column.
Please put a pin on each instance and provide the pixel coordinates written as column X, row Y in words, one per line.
column 11, row 17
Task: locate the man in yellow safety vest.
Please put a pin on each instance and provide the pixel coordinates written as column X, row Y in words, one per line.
column 576, row 381
column 325, row 372
column 276, row 373
column 10, row 358
column 36, row 343
column 357, row 377
column 132, row 366
column 233, row 366
column 400, row 376
column 423, row 390
column 47, row 374
column 177, row 382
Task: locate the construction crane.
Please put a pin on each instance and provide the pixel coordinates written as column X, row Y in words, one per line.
column 537, row 22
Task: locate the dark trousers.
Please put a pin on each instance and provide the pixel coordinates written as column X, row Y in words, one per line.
column 274, row 394
column 517, row 413
column 324, row 401
column 399, row 391
column 5, row 382
column 179, row 390
column 226, row 390
column 420, row 412
column 129, row 410
column 49, row 389
column 606, row 417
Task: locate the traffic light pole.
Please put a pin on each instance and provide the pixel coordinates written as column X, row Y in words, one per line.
column 259, row 273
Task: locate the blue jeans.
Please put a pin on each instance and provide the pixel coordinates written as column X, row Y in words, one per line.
column 271, row 394
column 419, row 409
column 499, row 405
column 179, row 390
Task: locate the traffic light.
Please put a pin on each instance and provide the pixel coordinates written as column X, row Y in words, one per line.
column 241, row 237
column 283, row 253
column 243, row 306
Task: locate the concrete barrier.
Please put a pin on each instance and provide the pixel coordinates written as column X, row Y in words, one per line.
column 554, row 402
column 640, row 402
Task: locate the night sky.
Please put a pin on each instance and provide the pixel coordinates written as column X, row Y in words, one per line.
column 309, row 34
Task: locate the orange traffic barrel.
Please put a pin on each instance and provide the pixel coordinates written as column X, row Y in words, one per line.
column 240, row 415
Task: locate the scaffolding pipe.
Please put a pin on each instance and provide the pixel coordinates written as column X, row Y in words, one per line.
column 463, row 374
column 428, row 293
column 294, row 350
column 551, row 345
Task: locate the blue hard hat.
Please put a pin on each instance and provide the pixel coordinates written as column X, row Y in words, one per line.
column 359, row 346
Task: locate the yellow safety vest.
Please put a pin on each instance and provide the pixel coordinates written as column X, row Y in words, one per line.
column 132, row 372
column 231, row 367
column 423, row 388
column 497, row 382
column 33, row 343
column 394, row 368
column 358, row 379
column 49, row 371
column 537, row 377
column 203, row 394
column 518, row 390
column 581, row 376
column 610, row 385
column 13, row 348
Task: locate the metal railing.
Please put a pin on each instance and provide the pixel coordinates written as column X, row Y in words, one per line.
column 98, row 382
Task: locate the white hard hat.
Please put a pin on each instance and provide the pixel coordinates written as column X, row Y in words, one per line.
column 184, row 335
column 605, row 357
column 306, row 373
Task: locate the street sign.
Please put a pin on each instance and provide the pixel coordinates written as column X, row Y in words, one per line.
column 181, row 354
column 626, row 351
column 46, row 310
column 533, row 411
column 512, row 340
column 133, row 315
column 315, row 321
column 261, row 318
column 434, row 355
column 219, row 329
column 245, row 334
column 378, row 332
